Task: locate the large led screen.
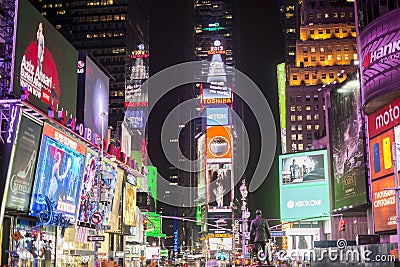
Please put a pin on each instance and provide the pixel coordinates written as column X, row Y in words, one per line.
column 59, row 173
column 217, row 116
column 212, row 94
column 116, row 198
column 93, row 87
column 347, row 145
column 380, row 152
column 88, row 195
column 219, row 145
column 220, row 221
column 23, row 165
column 108, row 190
column 219, row 185
column 130, row 205
column 44, row 62
column 304, row 186
column 384, row 204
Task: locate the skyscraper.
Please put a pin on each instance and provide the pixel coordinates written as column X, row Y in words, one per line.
column 325, row 54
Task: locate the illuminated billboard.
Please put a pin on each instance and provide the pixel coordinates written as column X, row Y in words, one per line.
column 201, row 178
column 44, row 62
column 220, row 221
column 304, row 186
column 89, row 196
column 116, row 197
column 385, row 118
column 219, row 185
column 384, row 204
column 93, row 91
column 215, row 93
column 347, row 142
column 130, row 205
column 281, row 74
column 59, row 173
column 380, row 154
column 23, row 164
column 220, row 244
column 379, row 61
column 108, row 190
column 217, row 116
column 219, row 144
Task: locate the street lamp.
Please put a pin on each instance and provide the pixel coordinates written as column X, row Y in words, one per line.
column 245, row 216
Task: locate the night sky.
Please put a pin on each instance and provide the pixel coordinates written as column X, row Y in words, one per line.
column 260, row 47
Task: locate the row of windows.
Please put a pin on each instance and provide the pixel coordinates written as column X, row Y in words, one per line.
column 336, row 30
column 102, row 18
column 333, row 15
column 300, row 117
column 338, row 48
column 308, row 108
column 307, row 97
column 105, row 35
column 299, row 127
column 299, row 147
column 314, row 76
column 330, row 58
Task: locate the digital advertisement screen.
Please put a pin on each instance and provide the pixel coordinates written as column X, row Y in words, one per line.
column 45, row 62
column 136, row 119
column 152, row 181
column 201, row 178
column 304, row 186
column 117, row 201
column 384, row 204
column 88, row 196
column 23, row 165
column 109, row 184
column 221, row 221
column 130, row 205
column 93, row 86
column 303, row 167
column 380, row 153
column 212, row 94
column 59, row 173
column 217, row 116
column 347, row 142
column 219, row 145
column 219, row 182
column 281, row 75
column 223, row 243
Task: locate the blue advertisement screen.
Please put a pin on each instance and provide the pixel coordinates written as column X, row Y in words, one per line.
column 217, row 116
column 304, row 186
column 58, row 179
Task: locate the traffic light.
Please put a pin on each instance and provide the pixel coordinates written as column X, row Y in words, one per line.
column 342, row 225
column 145, row 225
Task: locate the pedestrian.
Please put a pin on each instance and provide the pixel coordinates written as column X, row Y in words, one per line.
column 259, row 235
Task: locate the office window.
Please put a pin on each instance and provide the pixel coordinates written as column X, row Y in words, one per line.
column 294, row 137
column 326, row 15
column 319, row 15
column 329, row 49
column 346, row 57
column 346, row 48
column 307, row 76
column 299, row 118
column 320, row 31
column 301, row 147
column 308, row 117
column 338, row 57
column 292, row 98
column 300, row 137
column 335, row 15
column 292, row 118
column 294, row 77
column 328, row 31
column 337, row 30
column 321, row 49
column 309, row 136
column 293, row 127
column 323, row 75
column 316, row 107
column 344, row 30
column 312, row 58
column 316, row 117
column 322, row 58
column 294, row 147
column 342, row 14
column 311, row 32
column 316, row 126
column 312, row 49
column 329, row 57
column 309, row 127
column 331, row 75
column 308, row 98
column 298, row 98
column 298, row 108
column 300, row 127
column 305, row 58
column 292, row 108
column 305, row 49
column 314, row 76
column 308, row 107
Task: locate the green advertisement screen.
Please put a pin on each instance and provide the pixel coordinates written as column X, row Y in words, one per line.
column 304, row 186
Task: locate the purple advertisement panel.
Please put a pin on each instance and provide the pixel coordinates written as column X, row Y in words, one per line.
column 380, row 59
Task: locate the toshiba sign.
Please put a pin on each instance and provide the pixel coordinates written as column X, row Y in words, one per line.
column 385, row 118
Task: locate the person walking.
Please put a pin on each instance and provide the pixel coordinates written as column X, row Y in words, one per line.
column 259, row 235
